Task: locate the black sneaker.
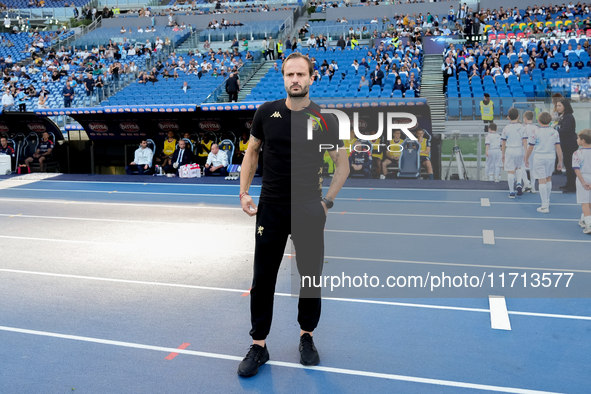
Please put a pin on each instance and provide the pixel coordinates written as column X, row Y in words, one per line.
column 257, row 356
column 308, row 353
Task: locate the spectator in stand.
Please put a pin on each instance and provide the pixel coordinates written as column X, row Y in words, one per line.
column 7, row 101
column 42, row 153
column 181, row 157
column 68, row 93
column 217, row 161
column 142, row 162
column 20, row 100
column 233, row 87
column 376, row 76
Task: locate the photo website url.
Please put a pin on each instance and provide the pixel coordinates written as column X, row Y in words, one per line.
column 439, row 281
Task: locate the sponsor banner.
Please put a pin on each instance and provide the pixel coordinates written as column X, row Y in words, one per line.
column 435, row 45
column 26, row 123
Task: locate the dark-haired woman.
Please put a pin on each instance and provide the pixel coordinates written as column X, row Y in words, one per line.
column 568, row 141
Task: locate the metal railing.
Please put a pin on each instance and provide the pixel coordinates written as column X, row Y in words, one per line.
column 246, row 73
column 246, row 32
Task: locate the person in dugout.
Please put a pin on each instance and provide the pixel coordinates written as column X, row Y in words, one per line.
column 360, row 159
column 42, row 153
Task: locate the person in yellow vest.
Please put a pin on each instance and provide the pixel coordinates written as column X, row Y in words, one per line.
column 425, row 155
column 392, row 153
column 377, row 155
column 116, row 11
column 487, row 110
column 204, row 149
column 167, row 151
column 279, row 49
column 243, row 145
column 354, row 42
column 395, row 41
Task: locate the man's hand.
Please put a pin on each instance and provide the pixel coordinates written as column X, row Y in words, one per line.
column 587, row 186
column 146, row 167
column 559, row 166
column 487, row 155
column 207, row 166
column 36, row 155
column 325, row 208
column 248, row 205
column 132, row 163
column 526, row 162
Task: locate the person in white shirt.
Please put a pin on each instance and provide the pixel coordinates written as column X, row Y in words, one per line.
column 140, row 30
column 142, row 162
column 311, row 41
column 582, row 167
column 7, row 101
column 545, row 141
column 131, row 51
column 217, row 161
column 513, row 147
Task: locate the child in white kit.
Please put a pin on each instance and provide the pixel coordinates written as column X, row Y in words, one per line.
column 528, row 128
column 582, row 167
column 494, row 157
column 513, row 146
column 545, row 142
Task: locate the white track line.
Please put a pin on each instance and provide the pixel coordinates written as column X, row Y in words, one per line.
column 512, row 203
column 140, row 205
column 242, row 291
column 450, row 216
column 486, row 236
column 343, row 371
column 121, row 220
column 455, row 264
column 231, row 185
column 254, row 196
column 499, row 318
column 124, row 192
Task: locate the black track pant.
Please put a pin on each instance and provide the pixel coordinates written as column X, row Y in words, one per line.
column 305, row 223
column 571, row 177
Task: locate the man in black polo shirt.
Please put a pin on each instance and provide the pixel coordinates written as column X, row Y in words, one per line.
column 290, row 203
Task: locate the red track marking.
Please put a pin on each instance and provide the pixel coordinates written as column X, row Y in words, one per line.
column 173, row 355
column 359, row 199
column 247, row 293
column 342, row 213
column 370, row 189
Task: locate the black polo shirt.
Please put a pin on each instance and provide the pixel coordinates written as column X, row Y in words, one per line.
column 293, row 164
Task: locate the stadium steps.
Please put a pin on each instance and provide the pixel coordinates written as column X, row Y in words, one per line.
column 432, row 90
column 190, row 43
column 256, row 77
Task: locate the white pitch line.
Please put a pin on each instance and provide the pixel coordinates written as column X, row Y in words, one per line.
column 402, row 234
column 451, row 216
column 455, row 264
column 343, row 371
column 140, row 205
column 484, row 202
column 184, row 206
column 488, row 237
column 499, row 318
column 242, row 291
column 512, row 203
column 125, row 192
column 122, row 221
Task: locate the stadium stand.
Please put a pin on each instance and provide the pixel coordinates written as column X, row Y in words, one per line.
column 18, row 46
column 340, row 73
column 523, row 59
column 249, row 30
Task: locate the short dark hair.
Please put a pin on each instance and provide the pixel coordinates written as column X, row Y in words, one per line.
column 486, row 95
column 492, row 126
column 529, row 115
column 297, row 55
column 513, row 113
column 545, row 118
column 585, row 135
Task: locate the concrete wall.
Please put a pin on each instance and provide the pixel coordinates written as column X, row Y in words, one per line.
column 390, row 10
column 198, row 21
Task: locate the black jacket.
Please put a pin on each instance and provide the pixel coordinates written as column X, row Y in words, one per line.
column 567, row 132
column 186, row 159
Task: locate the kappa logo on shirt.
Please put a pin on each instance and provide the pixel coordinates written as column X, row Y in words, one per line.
column 276, row 114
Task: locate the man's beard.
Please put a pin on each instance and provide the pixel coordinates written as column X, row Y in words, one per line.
column 302, row 93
